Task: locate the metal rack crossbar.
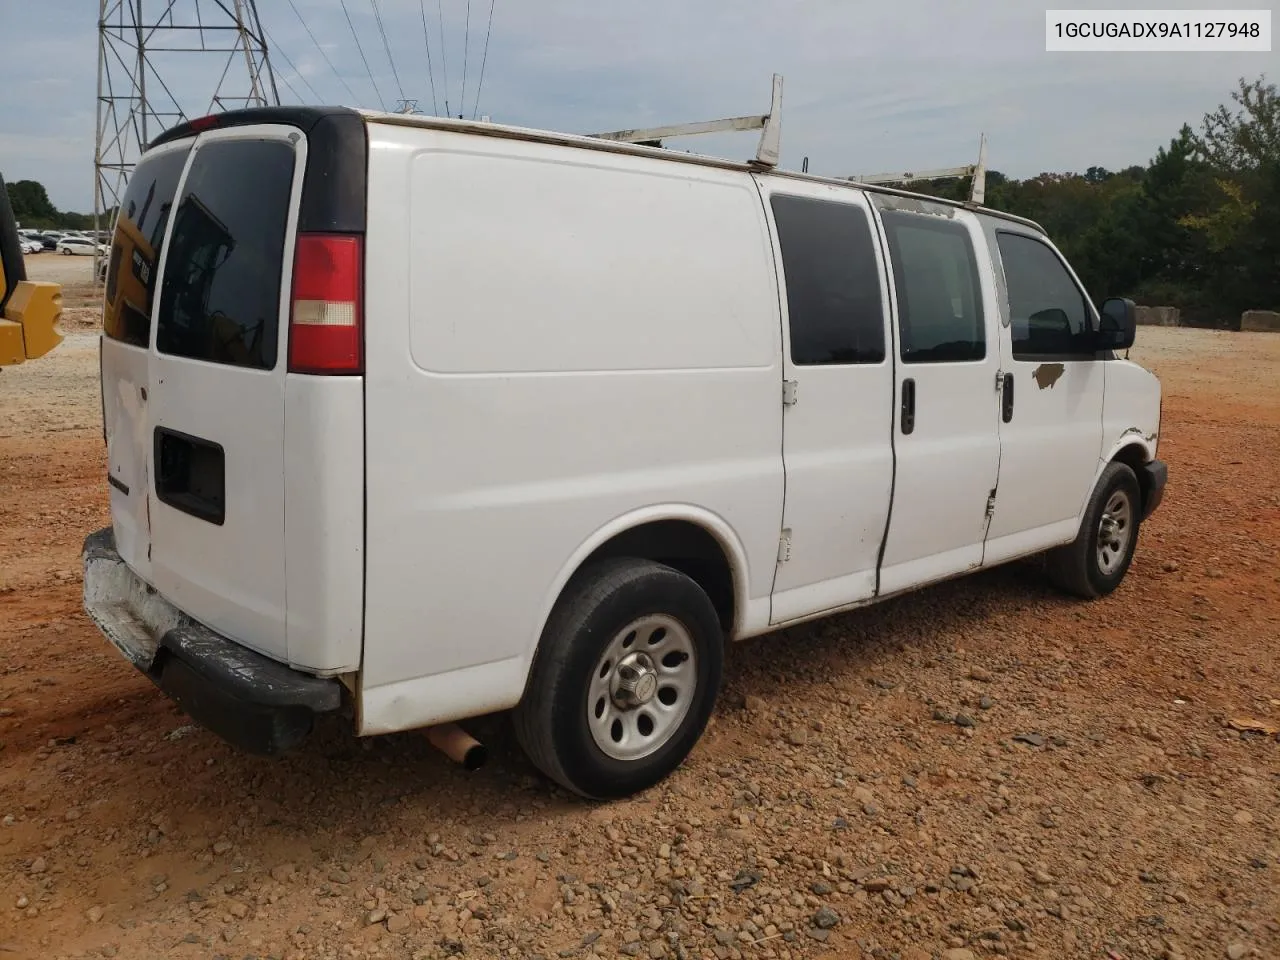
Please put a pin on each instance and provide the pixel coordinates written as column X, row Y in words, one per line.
column 770, row 127
column 978, row 171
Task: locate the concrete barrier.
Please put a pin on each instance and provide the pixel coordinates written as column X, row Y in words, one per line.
column 1260, row 321
column 1157, row 316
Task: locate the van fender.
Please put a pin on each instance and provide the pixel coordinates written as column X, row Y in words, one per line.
column 713, row 523
column 1130, row 437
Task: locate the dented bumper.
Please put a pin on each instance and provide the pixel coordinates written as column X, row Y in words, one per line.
column 252, row 701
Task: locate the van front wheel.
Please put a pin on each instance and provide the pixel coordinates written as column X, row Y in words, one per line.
column 1096, row 561
column 624, row 680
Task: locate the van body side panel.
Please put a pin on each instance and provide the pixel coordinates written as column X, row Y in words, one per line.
column 324, row 521
column 1131, row 410
column 556, row 338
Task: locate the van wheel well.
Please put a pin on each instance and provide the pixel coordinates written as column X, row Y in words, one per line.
column 686, row 547
column 1134, row 457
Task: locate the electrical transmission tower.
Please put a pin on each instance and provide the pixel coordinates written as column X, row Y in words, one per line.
column 161, row 62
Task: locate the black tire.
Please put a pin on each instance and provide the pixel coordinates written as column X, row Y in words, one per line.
column 1077, row 568
column 551, row 721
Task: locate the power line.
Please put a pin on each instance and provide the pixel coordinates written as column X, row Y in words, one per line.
column 483, row 60
column 444, row 56
column 426, row 42
column 387, row 46
column 359, row 49
column 280, row 50
column 341, row 78
column 466, row 43
column 297, row 96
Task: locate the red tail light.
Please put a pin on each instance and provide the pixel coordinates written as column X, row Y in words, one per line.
column 324, row 319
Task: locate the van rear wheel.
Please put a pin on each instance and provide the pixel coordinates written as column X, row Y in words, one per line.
column 1096, row 561
column 624, row 680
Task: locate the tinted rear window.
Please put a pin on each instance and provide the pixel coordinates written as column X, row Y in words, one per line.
column 140, row 228
column 939, row 292
column 833, row 281
column 220, row 300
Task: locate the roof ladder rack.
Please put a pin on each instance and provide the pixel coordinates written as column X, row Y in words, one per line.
column 977, row 192
column 770, row 125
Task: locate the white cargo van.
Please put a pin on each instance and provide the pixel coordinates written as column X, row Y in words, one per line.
column 421, row 419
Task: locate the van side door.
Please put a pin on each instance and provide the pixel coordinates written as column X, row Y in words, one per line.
column 1052, row 393
column 837, row 396
column 946, row 428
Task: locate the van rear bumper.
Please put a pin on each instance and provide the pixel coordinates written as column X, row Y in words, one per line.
column 251, row 701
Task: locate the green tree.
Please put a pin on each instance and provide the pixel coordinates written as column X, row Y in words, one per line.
column 1246, row 138
column 30, row 201
column 1241, row 224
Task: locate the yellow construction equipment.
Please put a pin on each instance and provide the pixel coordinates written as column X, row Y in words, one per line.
column 29, row 309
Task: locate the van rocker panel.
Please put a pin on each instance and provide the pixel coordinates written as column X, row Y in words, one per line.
column 253, row 702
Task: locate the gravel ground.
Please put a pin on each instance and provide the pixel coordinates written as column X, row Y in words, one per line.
column 980, row 769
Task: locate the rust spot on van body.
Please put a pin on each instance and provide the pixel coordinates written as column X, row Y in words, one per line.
column 1047, row 374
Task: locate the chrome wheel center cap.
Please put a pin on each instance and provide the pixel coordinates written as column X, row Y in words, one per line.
column 635, row 681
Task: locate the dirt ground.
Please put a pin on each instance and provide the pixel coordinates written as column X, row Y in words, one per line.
column 981, row 769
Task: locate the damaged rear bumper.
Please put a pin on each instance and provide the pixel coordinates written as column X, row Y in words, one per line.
column 252, row 701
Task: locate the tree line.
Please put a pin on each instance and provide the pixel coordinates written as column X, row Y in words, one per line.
column 1197, row 228
column 33, row 208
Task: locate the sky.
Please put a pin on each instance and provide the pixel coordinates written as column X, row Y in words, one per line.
column 870, row 87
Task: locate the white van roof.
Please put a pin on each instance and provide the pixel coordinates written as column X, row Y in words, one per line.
column 581, row 141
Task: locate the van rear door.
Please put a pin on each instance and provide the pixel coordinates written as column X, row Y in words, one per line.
column 216, row 385
column 132, row 278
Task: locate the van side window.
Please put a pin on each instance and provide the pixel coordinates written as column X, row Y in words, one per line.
column 140, row 230
column 833, row 283
column 1047, row 311
column 220, row 296
column 939, row 294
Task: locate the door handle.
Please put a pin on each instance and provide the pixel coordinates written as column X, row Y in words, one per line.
column 1006, row 405
column 908, row 405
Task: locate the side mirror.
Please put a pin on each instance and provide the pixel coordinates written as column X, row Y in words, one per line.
column 1117, row 324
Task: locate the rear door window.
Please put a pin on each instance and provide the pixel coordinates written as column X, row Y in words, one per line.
column 939, row 296
column 135, row 249
column 833, row 281
column 220, row 299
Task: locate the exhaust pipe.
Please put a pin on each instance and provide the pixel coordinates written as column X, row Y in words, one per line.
column 458, row 745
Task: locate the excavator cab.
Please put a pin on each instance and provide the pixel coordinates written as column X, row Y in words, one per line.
column 29, row 309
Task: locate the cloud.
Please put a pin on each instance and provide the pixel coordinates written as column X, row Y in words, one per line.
column 868, row 87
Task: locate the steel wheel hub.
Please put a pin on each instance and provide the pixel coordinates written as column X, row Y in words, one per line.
column 1115, row 530
column 635, row 681
column 642, row 687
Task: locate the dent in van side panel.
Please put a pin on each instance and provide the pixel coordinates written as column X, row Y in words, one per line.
column 489, row 466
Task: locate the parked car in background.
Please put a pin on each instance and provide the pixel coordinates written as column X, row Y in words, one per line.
column 31, row 245
column 82, row 246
